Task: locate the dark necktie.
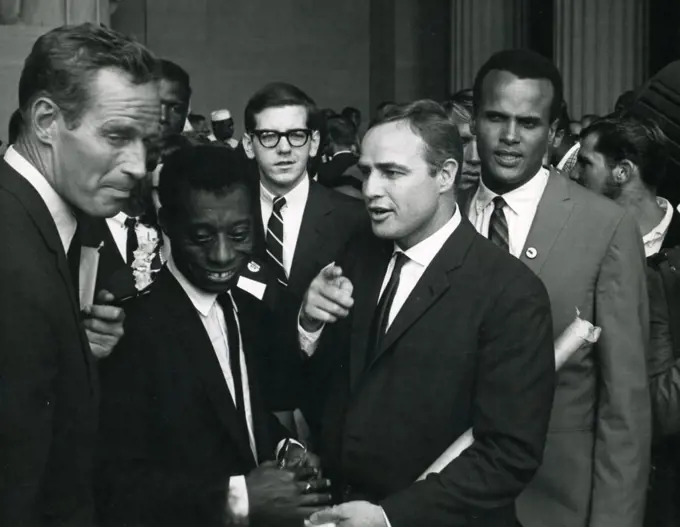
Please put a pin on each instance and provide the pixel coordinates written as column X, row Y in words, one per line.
column 131, row 244
column 382, row 312
column 73, row 257
column 274, row 240
column 234, row 351
column 498, row 225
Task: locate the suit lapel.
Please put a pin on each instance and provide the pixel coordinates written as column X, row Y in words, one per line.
column 370, row 279
column 196, row 343
column 251, row 335
column 432, row 285
column 310, row 237
column 552, row 214
column 44, row 222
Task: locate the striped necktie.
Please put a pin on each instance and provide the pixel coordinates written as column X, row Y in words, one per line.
column 274, row 240
column 498, row 225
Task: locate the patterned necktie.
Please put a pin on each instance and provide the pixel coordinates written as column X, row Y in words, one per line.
column 274, row 240
column 382, row 312
column 498, row 225
column 234, row 351
column 131, row 244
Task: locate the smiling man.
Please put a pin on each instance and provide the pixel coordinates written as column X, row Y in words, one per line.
column 430, row 330
column 81, row 148
column 183, row 426
column 588, row 253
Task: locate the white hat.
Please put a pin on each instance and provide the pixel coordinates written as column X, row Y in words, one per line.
column 220, row 115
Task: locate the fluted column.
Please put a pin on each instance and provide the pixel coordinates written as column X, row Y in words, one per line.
column 600, row 50
column 479, row 28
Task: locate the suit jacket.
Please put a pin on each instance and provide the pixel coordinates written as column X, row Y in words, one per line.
column 329, row 220
column 48, row 386
column 331, row 171
column 589, row 255
column 470, row 348
column 170, row 434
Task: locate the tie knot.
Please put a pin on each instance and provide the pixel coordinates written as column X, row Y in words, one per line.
column 130, row 222
column 498, row 203
column 279, row 203
column 400, row 259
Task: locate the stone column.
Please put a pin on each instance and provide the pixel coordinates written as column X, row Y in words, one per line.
column 600, row 50
column 480, row 28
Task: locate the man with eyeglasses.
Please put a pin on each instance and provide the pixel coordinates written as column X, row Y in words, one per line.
column 304, row 225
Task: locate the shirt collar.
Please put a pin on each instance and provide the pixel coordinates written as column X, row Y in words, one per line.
column 202, row 301
column 424, row 252
column 119, row 218
column 572, row 151
column 295, row 197
column 518, row 200
column 342, row 152
column 662, row 228
column 61, row 212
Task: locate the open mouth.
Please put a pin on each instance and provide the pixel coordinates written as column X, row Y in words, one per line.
column 378, row 214
column 220, row 278
column 507, row 159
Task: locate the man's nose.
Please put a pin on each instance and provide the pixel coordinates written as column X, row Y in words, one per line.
column 284, row 145
column 222, row 252
column 472, row 153
column 135, row 165
column 510, row 134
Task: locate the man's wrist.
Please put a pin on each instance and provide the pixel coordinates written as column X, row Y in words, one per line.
column 309, row 324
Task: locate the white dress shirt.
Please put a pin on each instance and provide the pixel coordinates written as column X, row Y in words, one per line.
column 571, row 152
column 520, row 209
column 291, row 212
column 119, row 233
column 419, row 258
column 211, row 315
column 61, row 212
column 654, row 238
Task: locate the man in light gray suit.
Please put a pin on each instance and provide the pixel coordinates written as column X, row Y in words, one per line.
column 589, row 255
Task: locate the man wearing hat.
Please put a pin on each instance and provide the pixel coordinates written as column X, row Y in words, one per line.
column 223, row 128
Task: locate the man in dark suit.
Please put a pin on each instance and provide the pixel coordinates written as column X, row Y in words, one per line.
column 183, row 426
column 80, row 149
column 588, row 253
column 340, row 171
column 301, row 226
column 461, row 338
column 281, row 135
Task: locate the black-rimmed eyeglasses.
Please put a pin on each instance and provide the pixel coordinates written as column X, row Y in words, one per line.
column 271, row 138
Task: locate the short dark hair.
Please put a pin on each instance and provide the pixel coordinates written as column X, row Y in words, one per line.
column 63, row 61
column 428, row 120
column 523, row 64
column 195, row 118
column 14, row 128
column 173, row 72
column 350, row 112
column 563, row 121
column 198, row 167
column 637, row 139
column 341, row 132
column 459, row 106
column 625, row 101
column 276, row 95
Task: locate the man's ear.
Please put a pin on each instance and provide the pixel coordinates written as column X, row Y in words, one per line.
column 447, row 175
column 552, row 132
column 248, row 146
column 316, row 141
column 624, row 171
column 44, row 116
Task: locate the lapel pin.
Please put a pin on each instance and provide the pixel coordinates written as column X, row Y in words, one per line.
column 253, row 267
column 531, row 253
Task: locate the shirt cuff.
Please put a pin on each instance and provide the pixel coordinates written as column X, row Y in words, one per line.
column 387, row 521
column 237, row 500
column 308, row 341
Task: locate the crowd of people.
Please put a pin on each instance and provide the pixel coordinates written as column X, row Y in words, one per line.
column 300, row 325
